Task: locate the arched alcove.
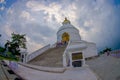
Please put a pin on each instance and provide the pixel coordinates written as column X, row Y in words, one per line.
column 65, row 37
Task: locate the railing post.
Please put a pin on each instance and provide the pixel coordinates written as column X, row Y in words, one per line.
column 64, row 61
column 64, row 56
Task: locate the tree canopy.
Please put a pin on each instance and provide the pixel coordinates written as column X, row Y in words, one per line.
column 105, row 50
column 17, row 42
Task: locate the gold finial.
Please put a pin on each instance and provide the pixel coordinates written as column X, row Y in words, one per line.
column 66, row 18
column 66, row 21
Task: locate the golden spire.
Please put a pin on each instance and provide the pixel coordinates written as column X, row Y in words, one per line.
column 66, row 21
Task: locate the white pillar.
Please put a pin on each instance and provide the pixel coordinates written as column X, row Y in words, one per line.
column 64, row 61
column 23, row 57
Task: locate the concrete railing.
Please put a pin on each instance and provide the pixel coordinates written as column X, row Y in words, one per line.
column 36, row 53
column 43, row 68
column 115, row 51
column 64, row 56
column 53, row 45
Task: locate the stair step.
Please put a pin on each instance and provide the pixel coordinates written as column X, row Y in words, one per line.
column 50, row 58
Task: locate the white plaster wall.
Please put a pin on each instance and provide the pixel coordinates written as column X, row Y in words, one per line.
column 73, row 32
column 68, row 57
column 90, row 51
column 71, row 48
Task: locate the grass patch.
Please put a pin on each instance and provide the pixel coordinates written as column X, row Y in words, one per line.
column 8, row 58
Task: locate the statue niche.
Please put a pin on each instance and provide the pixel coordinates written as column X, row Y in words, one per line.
column 65, row 37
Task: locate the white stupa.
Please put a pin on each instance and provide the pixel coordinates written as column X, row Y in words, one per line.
column 75, row 52
column 68, row 33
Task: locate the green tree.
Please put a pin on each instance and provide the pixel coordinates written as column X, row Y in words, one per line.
column 107, row 49
column 17, row 42
column 1, row 48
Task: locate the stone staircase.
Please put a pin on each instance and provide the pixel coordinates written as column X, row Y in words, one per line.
column 50, row 58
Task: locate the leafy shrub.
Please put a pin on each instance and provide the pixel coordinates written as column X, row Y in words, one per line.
column 2, row 49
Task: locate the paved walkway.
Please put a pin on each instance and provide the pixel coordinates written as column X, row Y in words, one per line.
column 4, row 74
column 107, row 67
column 70, row 74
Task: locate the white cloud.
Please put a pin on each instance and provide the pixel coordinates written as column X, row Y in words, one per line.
column 97, row 20
column 2, row 1
column 2, row 5
column 2, row 8
column 26, row 15
column 54, row 9
column 32, row 46
column 10, row 11
column 8, row 30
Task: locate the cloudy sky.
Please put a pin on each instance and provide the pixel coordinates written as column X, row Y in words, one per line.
column 97, row 20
